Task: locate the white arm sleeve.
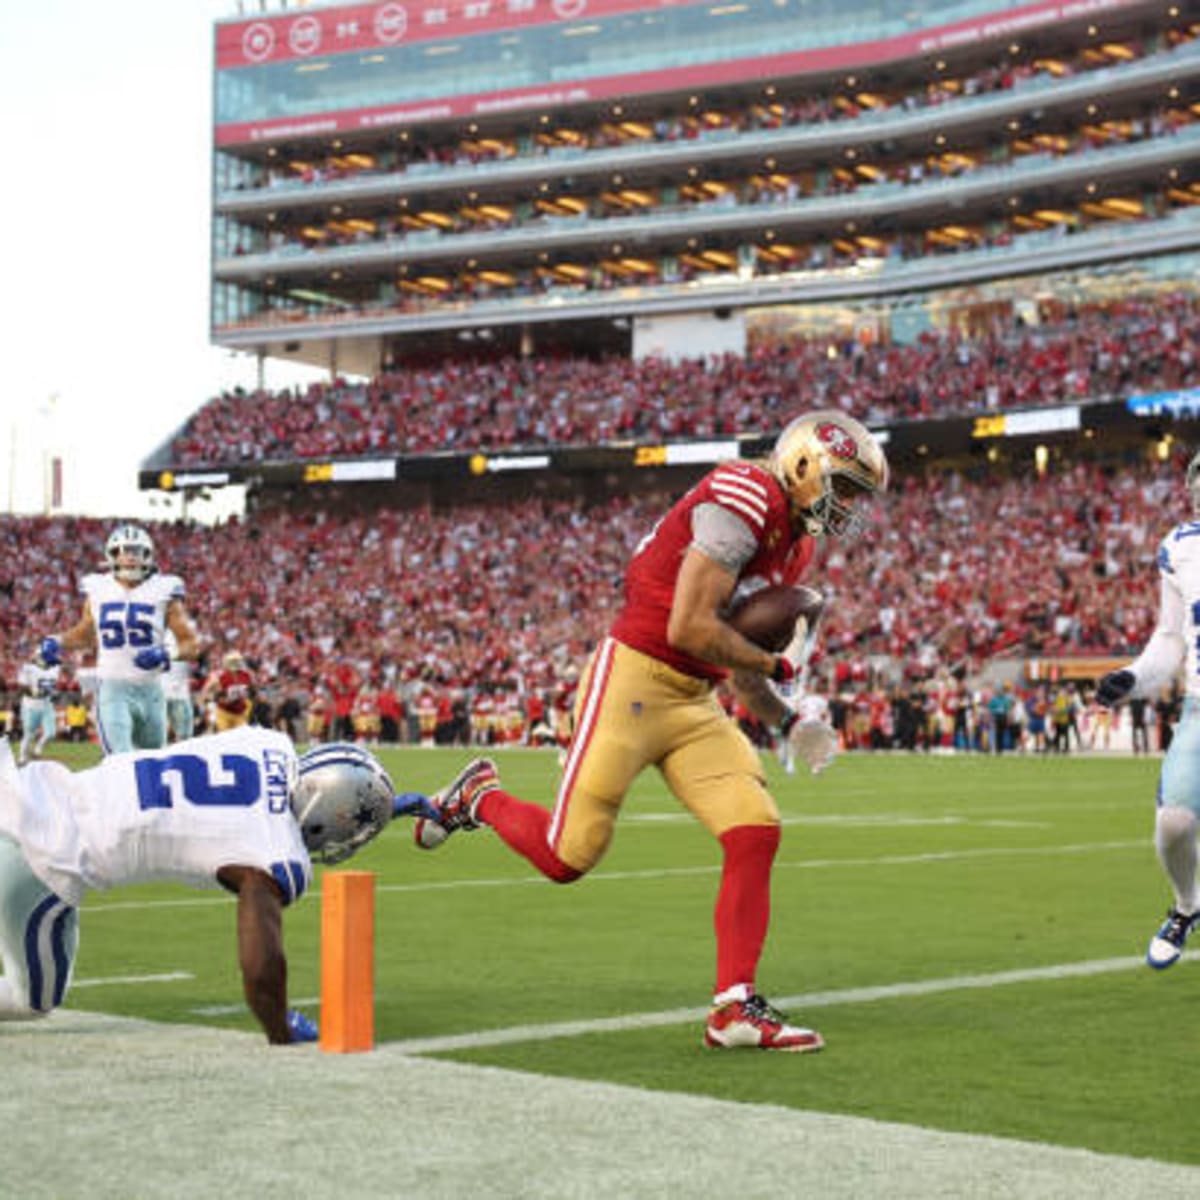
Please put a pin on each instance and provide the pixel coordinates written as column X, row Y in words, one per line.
column 1164, row 652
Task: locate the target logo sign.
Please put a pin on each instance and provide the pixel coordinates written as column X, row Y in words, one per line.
column 258, row 41
column 391, row 23
column 839, row 442
column 304, row 36
column 568, row 10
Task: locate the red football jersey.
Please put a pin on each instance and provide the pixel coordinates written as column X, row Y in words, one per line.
column 233, row 692
column 753, row 495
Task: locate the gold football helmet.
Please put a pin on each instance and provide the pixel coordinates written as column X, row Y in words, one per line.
column 826, row 462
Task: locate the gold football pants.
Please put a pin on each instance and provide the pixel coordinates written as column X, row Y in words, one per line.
column 633, row 711
column 227, row 720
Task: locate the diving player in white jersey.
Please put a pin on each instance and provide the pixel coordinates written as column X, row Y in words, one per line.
column 38, row 685
column 126, row 614
column 237, row 810
column 1173, row 645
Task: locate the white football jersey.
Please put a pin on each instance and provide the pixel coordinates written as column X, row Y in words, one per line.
column 177, row 682
column 176, row 815
column 41, row 682
column 128, row 620
column 1179, row 600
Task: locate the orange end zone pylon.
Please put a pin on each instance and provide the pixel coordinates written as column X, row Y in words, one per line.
column 347, row 961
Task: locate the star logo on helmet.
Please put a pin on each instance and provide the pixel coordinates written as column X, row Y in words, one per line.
column 364, row 815
column 839, row 443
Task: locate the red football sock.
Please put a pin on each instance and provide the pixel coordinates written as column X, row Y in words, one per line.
column 743, row 907
column 524, row 828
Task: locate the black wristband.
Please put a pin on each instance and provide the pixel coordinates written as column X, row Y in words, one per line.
column 787, row 721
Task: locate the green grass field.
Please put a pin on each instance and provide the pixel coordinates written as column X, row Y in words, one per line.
column 893, row 870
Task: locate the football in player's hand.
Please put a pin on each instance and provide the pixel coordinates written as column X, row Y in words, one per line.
column 768, row 616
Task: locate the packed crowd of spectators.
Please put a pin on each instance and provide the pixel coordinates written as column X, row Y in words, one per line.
column 303, row 232
column 508, row 600
column 783, row 110
column 1090, row 353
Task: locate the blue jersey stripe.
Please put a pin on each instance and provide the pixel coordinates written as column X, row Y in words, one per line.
column 283, row 877
column 58, row 944
column 33, row 960
column 290, row 877
column 297, row 876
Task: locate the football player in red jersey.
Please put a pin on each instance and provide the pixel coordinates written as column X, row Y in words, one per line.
column 648, row 697
column 231, row 689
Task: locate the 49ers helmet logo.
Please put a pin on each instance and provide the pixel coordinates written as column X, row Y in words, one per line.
column 839, row 443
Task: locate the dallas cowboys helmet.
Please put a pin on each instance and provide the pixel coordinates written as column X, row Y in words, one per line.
column 343, row 798
column 130, row 553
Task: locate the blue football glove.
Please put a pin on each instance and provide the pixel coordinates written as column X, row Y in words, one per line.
column 152, row 658
column 300, row 1027
column 1114, row 687
column 414, row 804
column 50, row 652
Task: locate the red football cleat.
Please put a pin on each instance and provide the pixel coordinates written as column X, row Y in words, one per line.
column 755, row 1024
column 456, row 804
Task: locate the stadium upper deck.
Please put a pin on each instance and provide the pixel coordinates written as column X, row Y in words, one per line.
column 640, row 177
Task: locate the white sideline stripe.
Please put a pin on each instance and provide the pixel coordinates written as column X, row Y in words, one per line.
column 682, row 1016
column 166, row 977
column 804, row 864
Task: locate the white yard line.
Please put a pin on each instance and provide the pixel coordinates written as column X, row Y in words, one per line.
column 680, row 1016
column 803, row 864
column 120, row 980
column 232, row 1010
column 851, row 820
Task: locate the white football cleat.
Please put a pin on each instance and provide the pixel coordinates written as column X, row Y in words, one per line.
column 1167, row 944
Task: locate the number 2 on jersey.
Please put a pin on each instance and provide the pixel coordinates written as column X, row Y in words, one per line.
column 163, row 781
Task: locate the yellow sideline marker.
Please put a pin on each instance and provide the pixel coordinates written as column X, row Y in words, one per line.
column 347, row 961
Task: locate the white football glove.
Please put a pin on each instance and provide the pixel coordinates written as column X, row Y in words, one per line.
column 813, row 741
